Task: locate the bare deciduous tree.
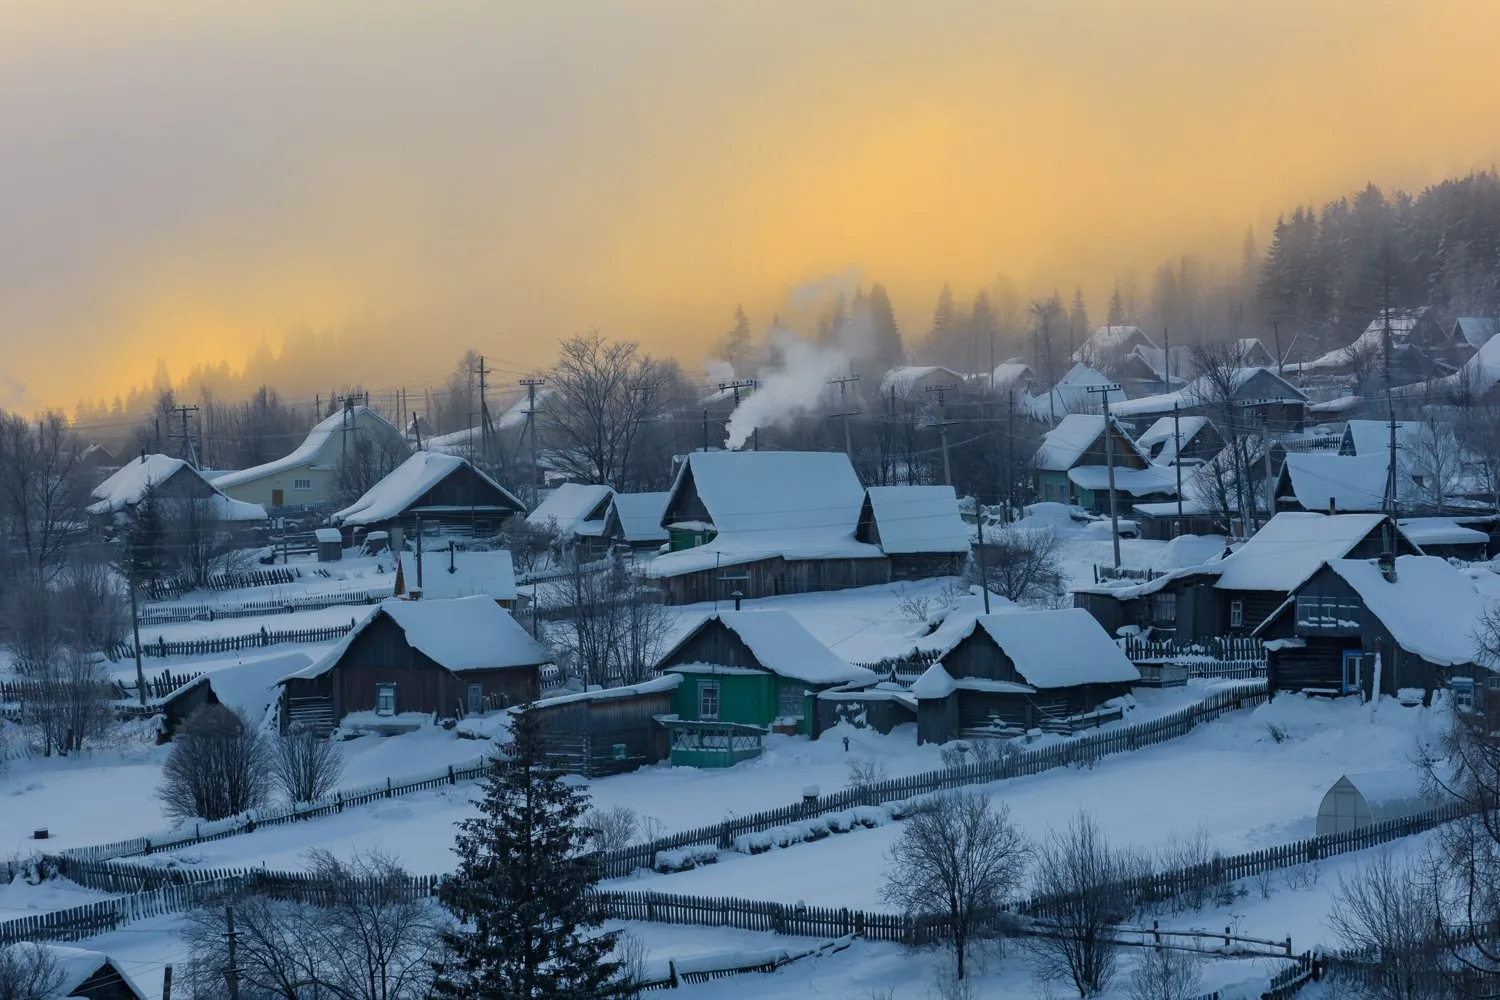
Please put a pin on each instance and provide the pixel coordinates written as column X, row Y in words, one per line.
column 1081, row 874
column 1022, row 564
column 198, row 540
column 1386, row 911
column 219, row 766
column 602, row 394
column 29, row 971
column 614, row 828
column 1435, row 464
column 1166, row 974
column 306, row 767
column 42, row 489
column 959, row 858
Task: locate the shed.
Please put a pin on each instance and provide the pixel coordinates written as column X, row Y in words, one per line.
column 246, row 685
column 330, row 544
column 90, row 975
column 575, row 514
column 1017, row 671
column 755, row 668
column 1358, row 800
column 409, row 661
column 610, row 731
column 634, row 520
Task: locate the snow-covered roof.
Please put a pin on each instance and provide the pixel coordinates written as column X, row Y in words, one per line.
column 1136, row 482
column 248, row 685
column 1373, row 437
column 310, row 451
column 491, row 574
column 1204, row 389
column 775, row 491
column 918, row 519
column 129, row 484
column 1109, row 338
column 784, row 647
column 1009, row 373
column 1476, row 331
column 655, row 685
column 1290, row 547
column 1352, row 482
column 328, row 535
column 737, row 548
column 406, row 484
column 1155, row 359
column 903, row 378
column 75, row 966
column 639, row 515
column 570, row 506
column 1158, row 441
column 936, row 683
column 1062, row 648
column 465, row 633
column 1422, row 531
column 1430, row 609
column 1403, row 322
column 1066, row 443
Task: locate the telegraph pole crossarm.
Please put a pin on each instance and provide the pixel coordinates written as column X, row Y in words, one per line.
column 942, row 424
column 843, row 383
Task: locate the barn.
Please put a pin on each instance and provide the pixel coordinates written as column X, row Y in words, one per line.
column 1367, row 625
column 1012, row 672
column 434, row 489
column 610, row 731
column 411, row 661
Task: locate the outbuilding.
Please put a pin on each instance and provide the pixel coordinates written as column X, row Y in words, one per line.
column 330, row 544
column 609, row 731
column 918, row 527
column 433, row 489
column 1358, row 800
column 83, row 974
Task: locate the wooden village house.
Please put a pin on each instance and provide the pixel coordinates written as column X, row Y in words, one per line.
column 80, row 974
column 171, row 483
column 633, row 521
column 1266, row 398
column 1232, row 596
column 309, row 475
column 1071, row 465
column 1009, row 673
column 436, row 492
column 574, row 514
column 1368, row 625
column 410, row 661
column 745, row 674
column 918, row 528
column 608, row 731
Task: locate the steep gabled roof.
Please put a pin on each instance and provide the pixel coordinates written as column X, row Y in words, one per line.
column 771, row 491
column 1202, row 389
column 903, row 378
column 782, row 646
column 1290, row 547
column 1105, row 339
column 1430, row 609
column 913, row 519
column 310, row 451
column 129, row 484
column 1053, row 649
column 407, row 483
column 466, row 633
column 1475, row 331
column 1071, row 439
column 639, row 515
column 1162, row 441
column 571, row 505
column 1352, row 482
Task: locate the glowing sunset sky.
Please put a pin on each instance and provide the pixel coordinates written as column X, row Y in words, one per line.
column 181, row 180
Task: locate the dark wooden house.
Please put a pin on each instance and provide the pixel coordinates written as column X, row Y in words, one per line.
column 172, row 484
column 1010, row 673
column 1361, row 625
column 917, row 527
column 90, row 975
column 595, row 733
column 1234, row 595
column 436, row 489
column 633, row 521
column 413, row 659
column 1269, row 396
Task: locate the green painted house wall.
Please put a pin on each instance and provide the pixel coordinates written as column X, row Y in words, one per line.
column 679, row 539
column 752, row 699
column 1053, row 486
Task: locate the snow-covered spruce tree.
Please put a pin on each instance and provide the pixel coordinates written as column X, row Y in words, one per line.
column 529, row 928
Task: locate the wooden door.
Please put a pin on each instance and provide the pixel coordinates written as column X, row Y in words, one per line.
column 276, row 498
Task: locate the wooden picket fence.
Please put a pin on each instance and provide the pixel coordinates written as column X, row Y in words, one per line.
column 327, row 806
column 169, row 614
column 622, row 862
column 164, row 590
column 1229, row 656
column 231, row 643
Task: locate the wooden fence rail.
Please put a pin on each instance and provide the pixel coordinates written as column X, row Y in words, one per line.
column 231, row 643
column 176, row 614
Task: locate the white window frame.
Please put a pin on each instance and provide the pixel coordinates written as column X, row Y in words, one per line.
column 706, row 688
column 1236, row 614
column 784, row 699
column 301, row 484
column 384, row 693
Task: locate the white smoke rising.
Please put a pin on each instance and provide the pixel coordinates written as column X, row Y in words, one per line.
column 798, row 383
column 718, row 371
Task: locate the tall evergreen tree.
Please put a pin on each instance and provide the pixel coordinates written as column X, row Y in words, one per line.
column 984, row 332
column 887, row 336
column 1117, row 314
column 1078, row 316
column 946, row 343
column 736, row 347
column 529, row 928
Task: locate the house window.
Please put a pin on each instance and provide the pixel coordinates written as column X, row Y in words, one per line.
column 791, row 703
column 1164, row 607
column 1494, row 682
column 476, row 698
column 1236, row 614
column 301, row 484
column 385, row 699
column 708, row 700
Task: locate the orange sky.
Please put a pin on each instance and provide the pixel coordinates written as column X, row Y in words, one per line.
column 181, row 180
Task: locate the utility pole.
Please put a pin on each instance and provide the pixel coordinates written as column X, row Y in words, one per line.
column 1010, row 452
column 484, row 409
column 1166, row 350
column 188, row 454
column 942, row 424
column 1177, row 463
column 416, row 431
column 1276, row 334
column 419, row 553
column 705, row 429
column 135, row 628
column 233, row 972
column 843, row 383
column 530, row 429
column 1109, row 461
column 984, row 576
column 166, row 983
